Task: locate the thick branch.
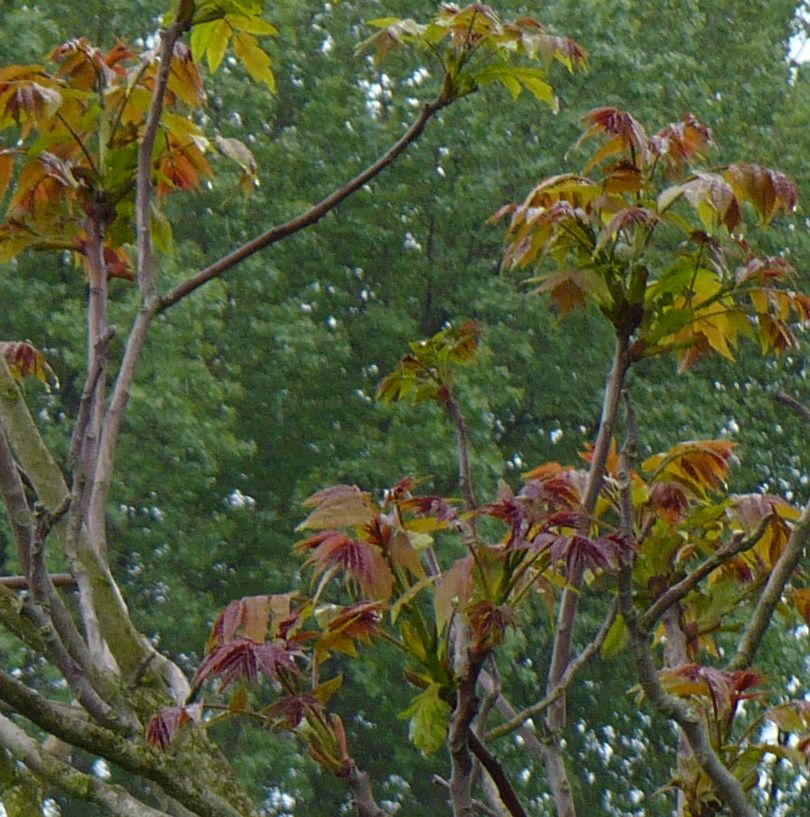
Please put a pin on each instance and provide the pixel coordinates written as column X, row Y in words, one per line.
column 65, row 777
column 675, row 593
column 771, row 595
column 458, row 740
column 309, row 217
column 194, row 792
column 27, row 443
column 45, row 609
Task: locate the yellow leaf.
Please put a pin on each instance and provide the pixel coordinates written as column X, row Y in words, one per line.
column 256, row 61
column 217, row 44
column 252, row 25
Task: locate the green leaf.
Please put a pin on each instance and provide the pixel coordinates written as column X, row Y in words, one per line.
column 162, row 231
column 515, row 78
column 323, row 692
column 616, row 639
column 409, row 595
column 429, row 718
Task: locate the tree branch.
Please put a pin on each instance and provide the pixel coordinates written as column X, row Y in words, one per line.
column 509, row 712
column 25, row 439
column 65, row 580
column 193, row 791
column 675, row 593
column 143, row 184
column 802, row 410
column 505, row 790
column 568, row 676
column 13, row 492
column 360, row 784
column 309, row 217
column 482, row 807
column 458, row 739
column 771, row 595
column 65, row 777
column 566, row 617
column 462, row 439
column 726, row 786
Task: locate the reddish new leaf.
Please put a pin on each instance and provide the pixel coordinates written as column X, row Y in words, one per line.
column 337, row 507
column 681, row 142
column 455, row 588
column 243, row 658
column 164, row 727
column 362, row 561
column 289, row 711
column 488, row 625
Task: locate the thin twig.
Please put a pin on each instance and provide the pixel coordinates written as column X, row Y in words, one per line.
column 310, row 216
column 674, row 594
column 65, row 580
column 802, row 410
column 478, row 805
column 565, row 682
column 566, row 617
column 143, row 184
column 505, row 790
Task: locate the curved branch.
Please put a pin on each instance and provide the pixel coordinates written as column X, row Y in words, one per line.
column 309, row 217
column 360, row 784
column 68, row 725
column 726, row 786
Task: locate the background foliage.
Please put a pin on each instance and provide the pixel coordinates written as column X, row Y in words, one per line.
column 259, row 390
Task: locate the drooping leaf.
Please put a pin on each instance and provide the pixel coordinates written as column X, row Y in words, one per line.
column 23, row 360
column 164, row 727
column 516, row 77
column 429, row 718
column 454, row 589
column 337, row 507
column 243, row 658
column 256, row 60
